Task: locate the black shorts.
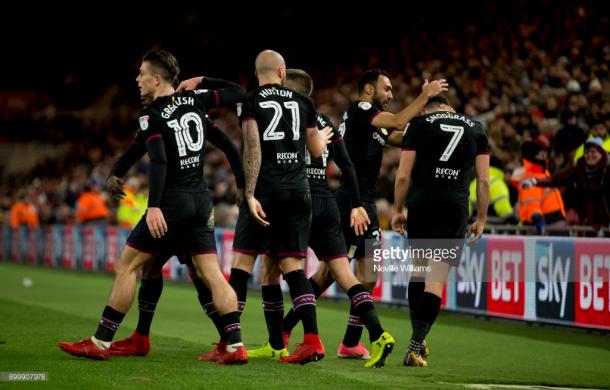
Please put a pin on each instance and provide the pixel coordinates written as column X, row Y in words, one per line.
column 437, row 225
column 190, row 226
column 356, row 244
column 326, row 238
column 289, row 215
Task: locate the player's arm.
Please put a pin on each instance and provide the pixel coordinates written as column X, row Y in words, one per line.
column 156, row 181
column 560, row 179
column 224, row 143
column 252, row 165
column 318, row 139
column 224, row 92
column 395, row 138
column 399, row 121
column 401, row 187
column 481, row 169
column 134, row 152
column 359, row 219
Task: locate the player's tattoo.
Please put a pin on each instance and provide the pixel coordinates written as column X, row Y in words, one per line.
column 252, row 156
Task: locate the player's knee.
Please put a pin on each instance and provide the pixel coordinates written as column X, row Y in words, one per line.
column 151, row 270
column 243, row 262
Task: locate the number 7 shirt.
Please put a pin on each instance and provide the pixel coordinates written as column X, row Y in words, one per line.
column 446, row 144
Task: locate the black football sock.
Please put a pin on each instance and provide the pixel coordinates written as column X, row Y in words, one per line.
column 427, row 311
column 148, row 297
column 231, row 327
column 415, row 291
column 205, row 299
column 364, row 307
column 303, row 300
column 239, row 282
column 109, row 324
column 273, row 307
column 354, row 328
column 292, row 319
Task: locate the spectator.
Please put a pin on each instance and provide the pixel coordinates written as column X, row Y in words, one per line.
column 537, row 206
column 592, row 176
column 500, row 208
column 24, row 213
column 91, row 206
column 599, row 130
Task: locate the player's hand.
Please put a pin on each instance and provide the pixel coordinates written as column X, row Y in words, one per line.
column 326, row 134
column 239, row 197
column 115, row 187
column 435, row 87
column 257, row 212
column 475, row 231
column 156, row 222
column 359, row 220
column 190, row 84
column 528, row 183
column 399, row 223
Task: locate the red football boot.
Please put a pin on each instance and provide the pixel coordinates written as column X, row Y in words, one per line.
column 239, row 356
column 134, row 345
column 85, row 348
column 310, row 350
column 215, row 354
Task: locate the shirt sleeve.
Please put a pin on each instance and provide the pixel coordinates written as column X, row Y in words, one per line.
column 247, row 110
column 224, row 143
column 150, row 134
column 482, row 141
column 410, row 136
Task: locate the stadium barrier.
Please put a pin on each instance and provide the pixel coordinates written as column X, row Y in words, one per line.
column 558, row 280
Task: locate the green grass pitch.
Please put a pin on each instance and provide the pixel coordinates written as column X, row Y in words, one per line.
column 66, row 305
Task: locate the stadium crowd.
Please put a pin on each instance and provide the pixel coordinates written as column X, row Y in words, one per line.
column 539, row 83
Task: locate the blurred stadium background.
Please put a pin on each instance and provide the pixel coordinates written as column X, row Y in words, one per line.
column 532, row 72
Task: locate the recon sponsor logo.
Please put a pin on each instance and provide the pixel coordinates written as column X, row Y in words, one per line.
column 316, row 171
column 450, row 173
column 273, row 91
column 176, row 101
column 189, row 162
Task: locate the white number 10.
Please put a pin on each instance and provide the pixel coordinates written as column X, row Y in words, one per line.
column 458, row 132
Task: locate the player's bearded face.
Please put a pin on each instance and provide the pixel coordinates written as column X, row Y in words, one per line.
column 383, row 93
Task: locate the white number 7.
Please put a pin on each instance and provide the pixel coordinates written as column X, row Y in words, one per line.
column 458, row 132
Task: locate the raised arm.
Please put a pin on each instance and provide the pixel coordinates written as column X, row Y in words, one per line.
column 225, row 92
column 399, row 121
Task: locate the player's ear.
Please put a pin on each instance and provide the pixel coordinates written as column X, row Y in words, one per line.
column 369, row 89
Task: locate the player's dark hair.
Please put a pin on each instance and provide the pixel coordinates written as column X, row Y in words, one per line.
column 436, row 101
column 163, row 63
column 302, row 80
column 370, row 77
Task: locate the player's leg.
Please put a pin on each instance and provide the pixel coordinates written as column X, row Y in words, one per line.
column 320, row 281
column 241, row 271
column 273, row 308
column 151, row 286
column 304, row 304
column 426, row 312
column 225, row 301
column 121, row 297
